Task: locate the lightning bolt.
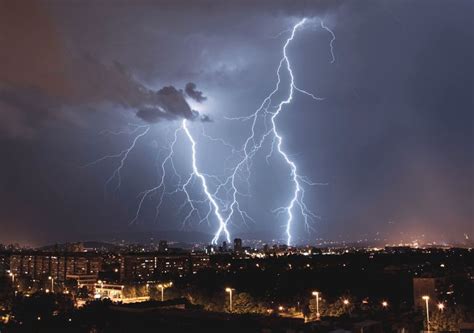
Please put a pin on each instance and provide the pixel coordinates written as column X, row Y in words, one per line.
column 331, row 46
column 123, row 155
column 209, row 196
column 298, row 194
column 224, row 201
column 252, row 145
column 162, row 184
column 160, row 188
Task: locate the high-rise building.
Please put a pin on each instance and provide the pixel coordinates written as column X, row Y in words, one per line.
column 238, row 245
column 154, row 266
column 57, row 265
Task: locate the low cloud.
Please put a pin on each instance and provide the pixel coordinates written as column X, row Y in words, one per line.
column 197, row 95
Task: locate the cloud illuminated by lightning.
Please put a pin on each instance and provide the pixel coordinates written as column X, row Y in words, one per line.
column 222, row 195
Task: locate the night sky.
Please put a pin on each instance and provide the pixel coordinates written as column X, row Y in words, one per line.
column 391, row 143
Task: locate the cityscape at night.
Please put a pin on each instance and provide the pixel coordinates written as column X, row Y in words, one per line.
column 270, row 166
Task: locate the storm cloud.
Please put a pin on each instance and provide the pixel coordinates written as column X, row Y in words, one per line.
column 197, row 95
column 393, row 137
column 39, row 78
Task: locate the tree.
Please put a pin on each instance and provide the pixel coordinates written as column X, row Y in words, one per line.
column 6, row 292
column 37, row 305
column 448, row 319
column 83, row 292
column 209, row 302
column 340, row 307
column 244, row 303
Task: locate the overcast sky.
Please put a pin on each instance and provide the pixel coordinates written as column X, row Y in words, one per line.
column 391, row 142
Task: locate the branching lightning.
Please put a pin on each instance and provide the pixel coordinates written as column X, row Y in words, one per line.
column 331, row 46
column 162, row 184
column 123, row 155
column 222, row 194
column 251, row 146
column 210, row 197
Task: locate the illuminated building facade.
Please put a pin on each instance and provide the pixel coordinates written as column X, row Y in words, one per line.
column 40, row 265
column 152, row 266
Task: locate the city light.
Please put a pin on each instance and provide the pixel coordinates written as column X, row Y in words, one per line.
column 162, row 287
column 143, row 284
column 229, row 290
column 427, row 299
column 316, row 295
column 52, row 283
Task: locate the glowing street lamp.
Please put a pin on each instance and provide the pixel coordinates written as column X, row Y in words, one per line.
column 52, row 283
column 384, row 304
column 12, row 275
column 440, row 306
column 162, row 288
column 229, row 290
column 316, row 294
column 426, row 299
column 345, row 302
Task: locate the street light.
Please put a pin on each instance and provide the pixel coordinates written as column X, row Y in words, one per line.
column 345, row 301
column 229, row 290
column 12, row 275
column 440, row 306
column 162, row 287
column 384, row 304
column 426, row 299
column 52, row 283
column 162, row 291
column 316, row 294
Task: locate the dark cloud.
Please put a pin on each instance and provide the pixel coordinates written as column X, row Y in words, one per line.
column 91, row 83
column 23, row 109
column 151, row 115
column 39, row 78
column 167, row 103
column 193, row 93
column 173, row 102
column 393, row 137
